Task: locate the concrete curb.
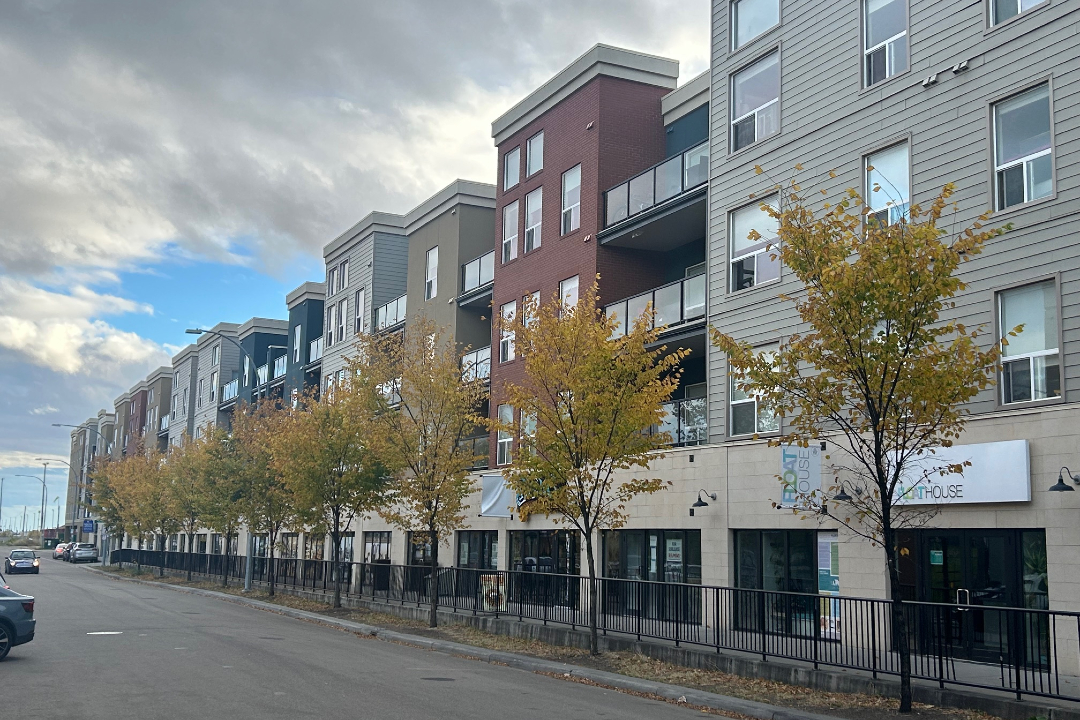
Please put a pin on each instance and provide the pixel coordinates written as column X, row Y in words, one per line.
column 673, row 693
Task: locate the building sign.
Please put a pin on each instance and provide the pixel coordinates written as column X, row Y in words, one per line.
column 828, row 562
column 800, row 472
column 999, row 472
column 88, row 526
column 674, row 551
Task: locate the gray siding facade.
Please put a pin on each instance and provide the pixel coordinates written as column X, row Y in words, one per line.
column 185, row 381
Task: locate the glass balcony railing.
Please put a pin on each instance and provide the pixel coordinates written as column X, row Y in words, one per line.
column 163, row 423
column 480, row 447
column 477, row 273
column 658, row 184
column 390, row 314
column 261, row 375
column 672, row 304
column 315, row 348
column 280, row 365
column 476, row 365
column 230, row 390
column 686, row 420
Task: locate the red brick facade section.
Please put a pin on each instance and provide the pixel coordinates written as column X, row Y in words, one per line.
column 626, row 136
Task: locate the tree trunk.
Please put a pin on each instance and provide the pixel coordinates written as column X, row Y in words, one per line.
column 161, row 565
column 336, row 554
column 228, row 555
column 138, row 557
column 899, row 617
column 433, row 581
column 594, row 605
column 270, row 575
column 190, row 550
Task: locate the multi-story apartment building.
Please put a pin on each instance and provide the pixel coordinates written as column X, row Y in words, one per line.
column 218, row 358
column 90, row 443
column 305, row 343
column 365, row 286
column 158, row 406
column 264, row 342
column 185, row 365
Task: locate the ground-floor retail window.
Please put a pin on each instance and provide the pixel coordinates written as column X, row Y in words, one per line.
column 478, row 549
column 314, row 546
column 546, row 551
column 260, row 543
column 201, row 546
column 216, row 548
column 672, row 556
column 290, row 546
column 418, row 548
column 345, row 546
column 377, row 546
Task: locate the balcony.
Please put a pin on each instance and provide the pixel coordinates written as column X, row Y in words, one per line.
column 478, row 446
column 674, row 304
column 261, row 374
column 476, row 279
column 280, row 366
column 390, row 314
column 476, row 365
column 163, row 424
column 230, row 390
column 315, row 350
column 686, row 420
column 673, row 191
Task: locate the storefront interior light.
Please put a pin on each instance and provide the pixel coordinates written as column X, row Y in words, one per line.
column 1061, row 485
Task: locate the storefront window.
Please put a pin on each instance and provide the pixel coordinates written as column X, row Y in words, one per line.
column 377, row 546
column 478, row 549
column 313, row 547
column 779, row 560
column 1033, row 560
column 657, row 555
column 346, row 545
column 289, row 545
column 546, row 551
column 419, row 549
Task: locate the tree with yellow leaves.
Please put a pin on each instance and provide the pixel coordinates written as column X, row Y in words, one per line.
column 877, row 365
column 584, row 415
column 421, row 405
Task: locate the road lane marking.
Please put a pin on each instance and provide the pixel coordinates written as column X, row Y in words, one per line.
column 110, row 632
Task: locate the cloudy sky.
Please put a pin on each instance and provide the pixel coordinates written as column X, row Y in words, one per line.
column 164, row 165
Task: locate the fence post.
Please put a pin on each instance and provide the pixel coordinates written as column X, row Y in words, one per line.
column 761, row 624
column 873, row 637
column 817, row 628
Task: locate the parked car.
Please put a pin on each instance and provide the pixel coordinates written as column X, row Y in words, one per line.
column 17, row 621
column 58, row 551
column 84, row 552
column 21, row 561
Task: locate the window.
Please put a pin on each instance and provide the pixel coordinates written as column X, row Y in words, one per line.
column 213, row 386
column 506, row 332
column 342, row 311
column 377, row 546
column 528, row 432
column 247, row 371
column 506, row 440
column 478, row 549
column 215, row 355
column 568, row 292
column 755, row 102
column 296, row 346
column 534, row 154
column 331, row 281
column 510, row 232
column 1023, row 161
column 360, row 310
column 331, row 323
column 751, row 257
column 885, row 46
column 571, row 200
column 527, row 318
column 1030, row 367
column 534, row 210
column 343, row 273
column 511, row 168
column 202, row 384
column 1002, row 10
column 431, row 274
column 887, row 187
column 150, row 396
column 748, row 416
column 750, row 18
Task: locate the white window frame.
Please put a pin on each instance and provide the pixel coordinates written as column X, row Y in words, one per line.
column 431, row 273
column 343, row 312
column 504, row 443
column 1027, row 160
column 360, row 311
column 1029, row 356
column 759, row 426
column 213, row 386
column 736, row 41
column 756, row 254
column 530, row 154
column 331, row 281
column 215, row 355
column 887, row 43
column 564, row 290
column 895, row 210
column 1020, row 10
column 529, row 319
column 512, row 157
column 532, row 232
column 247, row 371
column 331, row 323
column 296, row 344
column 571, row 222
column 508, row 313
column 754, row 113
column 343, row 274
column 509, row 242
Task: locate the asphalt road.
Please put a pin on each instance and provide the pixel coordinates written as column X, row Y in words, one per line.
column 182, row 656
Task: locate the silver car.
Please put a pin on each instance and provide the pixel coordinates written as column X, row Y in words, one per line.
column 17, row 621
column 84, row 552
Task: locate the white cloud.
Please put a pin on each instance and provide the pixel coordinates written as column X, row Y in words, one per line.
column 44, row 410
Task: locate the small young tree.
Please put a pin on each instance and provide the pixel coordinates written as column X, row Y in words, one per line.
column 154, row 503
column 108, row 502
column 188, row 464
column 267, row 501
column 876, row 366
column 324, row 461
column 420, row 405
column 585, row 411
column 220, row 491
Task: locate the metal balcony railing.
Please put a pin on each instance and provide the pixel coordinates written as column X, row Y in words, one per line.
column 315, row 350
column 480, row 447
column 230, row 390
column 280, row 365
column 658, row 184
column 163, row 423
column 390, row 314
column 686, row 420
column 261, row 375
column 476, row 365
column 675, row 303
column 479, row 272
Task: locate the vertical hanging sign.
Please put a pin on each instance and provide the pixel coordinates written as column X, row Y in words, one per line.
column 800, row 472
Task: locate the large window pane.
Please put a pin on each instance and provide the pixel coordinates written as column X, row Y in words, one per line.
column 887, row 180
column 617, row 204
column 748, row 219
column 750, row 18
column 511, row 168
column 755, row 102
column 534, row 210
column 641, row 193
column 510, row 232
column 884, row 19
column 669, row 179
column 1034, row 306
column 535, row 154
column 1022, row 125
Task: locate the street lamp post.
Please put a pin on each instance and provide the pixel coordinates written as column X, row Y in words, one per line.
column 42, row 481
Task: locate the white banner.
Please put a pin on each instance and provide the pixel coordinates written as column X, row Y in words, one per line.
column 999, row 472
column 495, row 498
column 800, row 472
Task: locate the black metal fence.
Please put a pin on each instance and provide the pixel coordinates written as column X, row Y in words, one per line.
column 1022, row 651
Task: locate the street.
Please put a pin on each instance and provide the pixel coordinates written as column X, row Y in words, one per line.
column 189, row 657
